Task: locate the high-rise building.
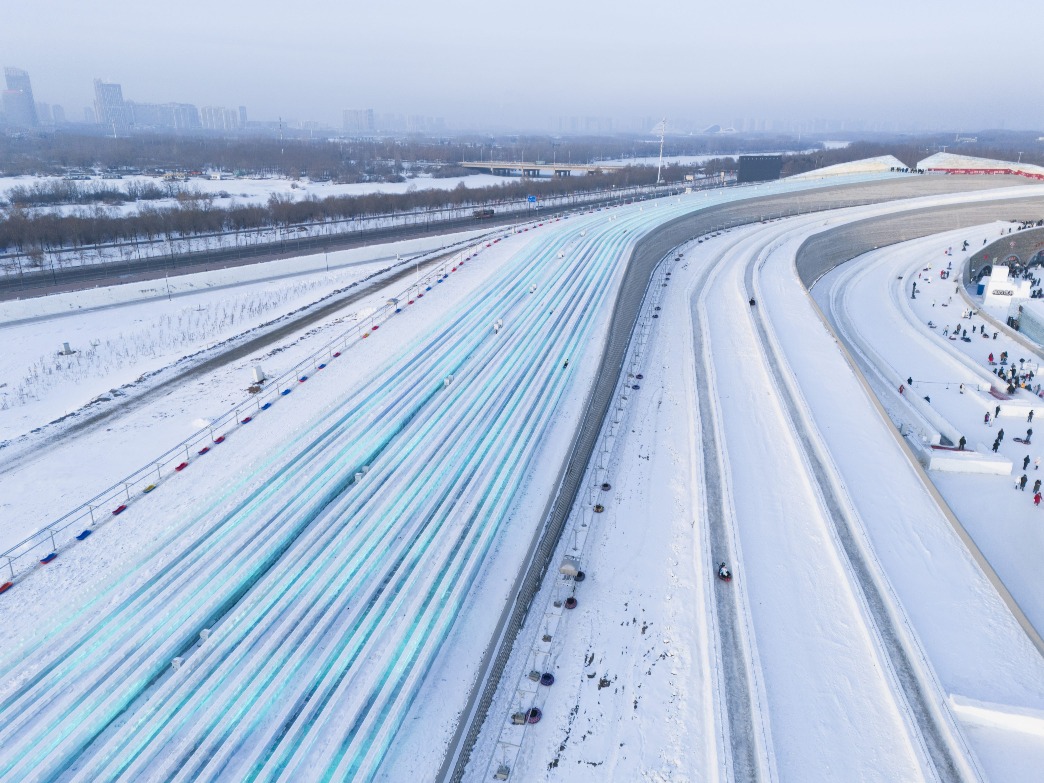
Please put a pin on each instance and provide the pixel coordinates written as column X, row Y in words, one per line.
column 359, row 121
column 58, row 113
column 43, row 113
column 219, row 118
column 19, row 107
column 109, row 106
column 174, row 116
column 242, row 117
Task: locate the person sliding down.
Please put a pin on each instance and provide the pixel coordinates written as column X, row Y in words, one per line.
column 752, row 302
column 723, row 572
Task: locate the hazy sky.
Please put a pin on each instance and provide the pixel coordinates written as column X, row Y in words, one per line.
column 964, row 64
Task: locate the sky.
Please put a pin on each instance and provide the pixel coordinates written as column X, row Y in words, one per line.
column 959, row 64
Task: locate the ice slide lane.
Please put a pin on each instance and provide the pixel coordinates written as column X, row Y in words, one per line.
column 559, row 327
column 906, row 681
column 805, row 696
column 746, row 737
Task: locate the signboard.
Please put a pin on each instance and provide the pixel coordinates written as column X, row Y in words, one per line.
column 531, row 199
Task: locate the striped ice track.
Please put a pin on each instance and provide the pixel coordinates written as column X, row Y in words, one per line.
column 328, row 599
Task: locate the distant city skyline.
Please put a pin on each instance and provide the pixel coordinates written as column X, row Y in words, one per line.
column 896, row 67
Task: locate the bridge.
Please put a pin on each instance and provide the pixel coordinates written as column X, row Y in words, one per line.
column 523, row 169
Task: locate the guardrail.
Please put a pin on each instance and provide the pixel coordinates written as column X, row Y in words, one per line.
column 78, row 524
column 158, row 256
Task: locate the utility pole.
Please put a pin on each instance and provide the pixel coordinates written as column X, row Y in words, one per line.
column 659, row 166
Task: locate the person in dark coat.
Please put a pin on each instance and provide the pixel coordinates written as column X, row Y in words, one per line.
column 1022, row 482
column 1025, row 462
column 996, row 445
column 1029, row 434
column 1036, row 486
column 1000, row 435
column 963, row 442
column 1030, row 417
column 996, row 411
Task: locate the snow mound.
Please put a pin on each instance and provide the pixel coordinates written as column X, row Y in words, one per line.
column 952, row 163
column 883, row 163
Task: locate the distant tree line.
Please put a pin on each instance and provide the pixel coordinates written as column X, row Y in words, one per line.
column 54, row 192
column 35, row 231
column 340, row 160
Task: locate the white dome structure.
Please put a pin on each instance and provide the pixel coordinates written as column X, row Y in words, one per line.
column 882, row 164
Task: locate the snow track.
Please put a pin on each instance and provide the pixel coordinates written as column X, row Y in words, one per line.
column 932, row 733
column 746, row 736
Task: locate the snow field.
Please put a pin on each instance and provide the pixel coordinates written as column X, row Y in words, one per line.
column 151, row 330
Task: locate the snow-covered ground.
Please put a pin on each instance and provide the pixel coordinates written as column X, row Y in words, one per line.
column 641, row 691
column 634, row 640
column 122, row 333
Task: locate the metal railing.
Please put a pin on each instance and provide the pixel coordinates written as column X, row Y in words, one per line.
column 78, row 523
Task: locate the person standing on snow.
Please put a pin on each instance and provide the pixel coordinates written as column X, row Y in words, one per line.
column 1036, row 485
column 964, row 441
column 1036, row 499
column 986, row 419
column 1030, row 417
column 1029, row 434
column 1022, row 482
column 1000, row 435
column 996, row 445
column 1025, row 462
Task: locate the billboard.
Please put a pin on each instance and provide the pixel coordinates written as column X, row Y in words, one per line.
column 759, row 168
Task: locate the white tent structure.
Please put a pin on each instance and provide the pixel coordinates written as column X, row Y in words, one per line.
column 950, row 163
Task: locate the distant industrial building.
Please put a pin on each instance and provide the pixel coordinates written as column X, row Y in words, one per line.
column 759, row 168
column 18, row 103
